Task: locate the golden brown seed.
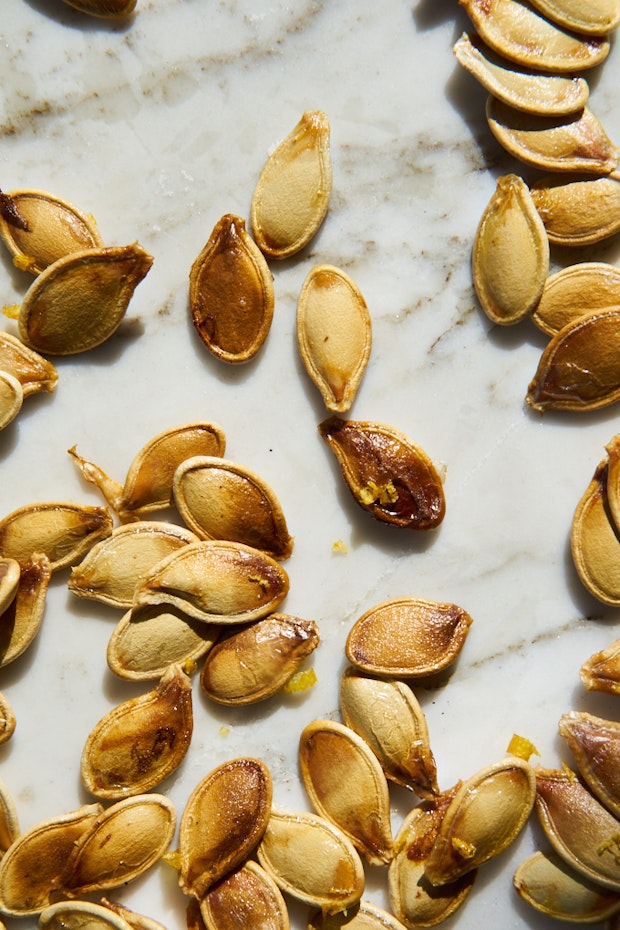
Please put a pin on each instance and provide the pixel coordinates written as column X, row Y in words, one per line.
column 253, row 663
column 139, row 743
column 219, row 499
column 575, row 290
column 579, row 368
column 595, row 744
column 9, row 823
column 334, row 334
column 407, row 637
column 136, row 921
column 33, row 372
column 510, row 255
column 80, row 915
column 579, row 210
column 550, row 886
column 103, row 8
column 21, row 620
column 595, row 18
column 11, row 398
column 363, row 916
column 7, row 720
column 245, row 899
column 292, row 194
column 387, row 474
column 231, row 293
column 595, row 545
column 10, row 572
column 63, row 531
column 612, row 487
column 224, row 819
column 601, row 672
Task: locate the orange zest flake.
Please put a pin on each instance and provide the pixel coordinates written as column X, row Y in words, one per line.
column 339, row 546
column 300, row 681
column 224, row 730
column 24, row 262
column 522, row 747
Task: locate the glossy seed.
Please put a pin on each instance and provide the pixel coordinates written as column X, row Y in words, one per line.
column 595, row 545
column 542, row 94
column 136, row 921
column 103, row 8
column 9, row 823
column 407, row 637
column 578, row 211
column 55, row 228
column 63, row 531
column 575, row 290
column 219, row 499
column 292, row 194
column 510, row 255
column 579, row 368
column 224, row 819
column 388, row 475
column 245, row 899
column 334, row 334
column 21, row 620
column 252, row 664
column 550, row 886
column 7, row 720
column 595, row 744
column 312, row 860
column 388, row 717
column 601, row 672
column 11, row 398
column 231, row 293
column 595, row 18
column 363, row 916
column 33, row 372
column 80, row 915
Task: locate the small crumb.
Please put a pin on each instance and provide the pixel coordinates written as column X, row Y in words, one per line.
column 172, row 858
column 11, row 311
column 522, row 747
column 300, row 681
column 339, row 546
column 24, row 262
column 224, row 730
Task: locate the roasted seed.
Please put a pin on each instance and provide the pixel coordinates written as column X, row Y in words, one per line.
column 63, row 531
column 103, row 8
column 597, row 18
column 245, row 899
column 612, row 486
column 21, row 620
column 595, row 744
column 362, row 916
column 9, row 823
column 595, row 546
column 10, row 572
column 33, row 372
column 578, row 211
column 11, row 398
column 7, row 720
column 550, row 886
column 80, row 915
column 135, row 921
column 575, row 290
column 601, row 672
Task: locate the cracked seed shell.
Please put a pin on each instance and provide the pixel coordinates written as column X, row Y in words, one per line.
column 33, row 372
column 550, row 886
column 575, row 290
column 245, row 899
column 595, row 546
column 21, row 620
column 62, row 530
column 595, row 18
column 578, row 211
column 595, row 745
column 601, row 672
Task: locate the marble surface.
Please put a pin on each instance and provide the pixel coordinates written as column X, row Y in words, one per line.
column 159, row 125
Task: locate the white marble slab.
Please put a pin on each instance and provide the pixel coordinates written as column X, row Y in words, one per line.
column 160, row 125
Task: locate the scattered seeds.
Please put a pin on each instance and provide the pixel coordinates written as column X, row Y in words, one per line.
column 63, row 531
column 550, row 886
column 575, row 290
column 579, row 210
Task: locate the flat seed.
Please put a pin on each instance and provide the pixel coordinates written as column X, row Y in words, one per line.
column 595, row 744
column 33, row 372
column 579, row 368
column 80, row 915
column 595, row 546
column 542, row 94
column 63, row 531
column 578, row 211
column 21, row 620
column 347, row 786
column 387, row 474
column 363, row 916
column 334, row 334
column 312, row 860
column 9, row 823
column 388, row 717
column 11, row 398
column 224, row 819
column 575, row 290
column 252, row 664
column 231, row 293
column 597, row 18
column 245, row 899
column 220, row 499
column 10, row 572
column 407, row 637
column 553, row 888
column 7, row 720
column 103, row 8
column 601, row 672
column 510, row 255
column 292, row 194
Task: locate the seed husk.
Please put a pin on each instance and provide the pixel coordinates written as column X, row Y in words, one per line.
column 601, row 672
column 575, row 290
column 253, row 663
column 334, row 334
column 7, row 720
column 21, row 620
column 387, row 474
column 595, row 545
column 550, row 886
column 231, row 293
column 347, row 786
column 63, row 531
column 579, row 210
column 595, row 744
column 311, row 859
column 9, row 823
column 542, row 94
column 224, row 819
column 510, row 255
column 219, row 499
column 245, row 899
column 33, row 372
column 363, row 916
column 388, row 717
column 573, row 143
column 292, row 194
column 103, row 8
column 80, row 915
column 55, row 228
column 596, row 18
column 579, row 368
column 11, row 398
column 407, row 637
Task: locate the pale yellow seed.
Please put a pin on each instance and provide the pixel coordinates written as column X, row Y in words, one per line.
column 595, row 546
column 11, row 398
column 575, row 290
column 552, row 887
column 578, row 211
column 598, row 17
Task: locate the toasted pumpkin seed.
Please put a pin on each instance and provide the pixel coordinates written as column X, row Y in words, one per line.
column 33, row 372
column 63, row 531
column 601, row 672
column 21, row 620
column 597, row 18
column 231, row 293
column 224, row 819
column 407, row 637
column 363, row 916
column 612, row 486
column 219, row 499
column 292, row 194
column 595, row 545
column 80, row 915
column 245, row 899
column 7, row 720
column 311, row 859
column 387, row 474
column 575, row 290
column 334, row 334
column 253, row 663
column 9, row 823
column 9, row 582
column 136, row 921
column 595, row 744
column 103, row 8
column 11, row 398
column 550, row 886
column 510, row 255
column 578, row 211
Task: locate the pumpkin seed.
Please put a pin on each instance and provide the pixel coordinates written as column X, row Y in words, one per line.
column 542, row 94
column 347, row 786
column 510, row 256
column 253, row 663
column 21, row 620
column 63, row 531
column 311, row 859
column 575, row 290
column 33, row 372
column 334, row 334
column 9, row 582
column 601, row 672
column 7, row 720
column 596, row 18
column 552, row 887
column 245, row 899
column 363, row 916
column 103, row 8
column 576, row 142
column 11, row 398
column 612, row 486
column 578, row 211
column 54, row 228
column 595, row 744
column 388, row 717
column 136, row 921
column 388, row 475
column 9, row 823
column 224, row 819
column 292, row 194
column 595, row 546
column 231, row 293
column 219, row 499
column 407, row 637
column 80, row 915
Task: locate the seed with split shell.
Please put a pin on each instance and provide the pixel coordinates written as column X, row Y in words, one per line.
column 595, row 744
column 346, row 785
column 33, row 372
column 553, row 888
column 103, row 8
column 595, row 18
column 510, row 256
column 292, row 194
column 80, row 915
column 231, row 292
column 21, row 620
column 219, row 499
column 55, row 228
column 63, row 531
column 388, row 717
column 407, row 637
column 601, row 672
column 11, row 398
column 253, row 663
column 334, row 334
column 245, row 899
column 112, row 568
column 576, row 142
column 486, row 815
column 388, row 475
column 363, row 916
column 543, row 94
column 595, row 546
column 7, row 720
column 575, row 290
column 139, row 743
column 311, row 859
column 9, row 823
column 579, row 210
column 224, row 819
